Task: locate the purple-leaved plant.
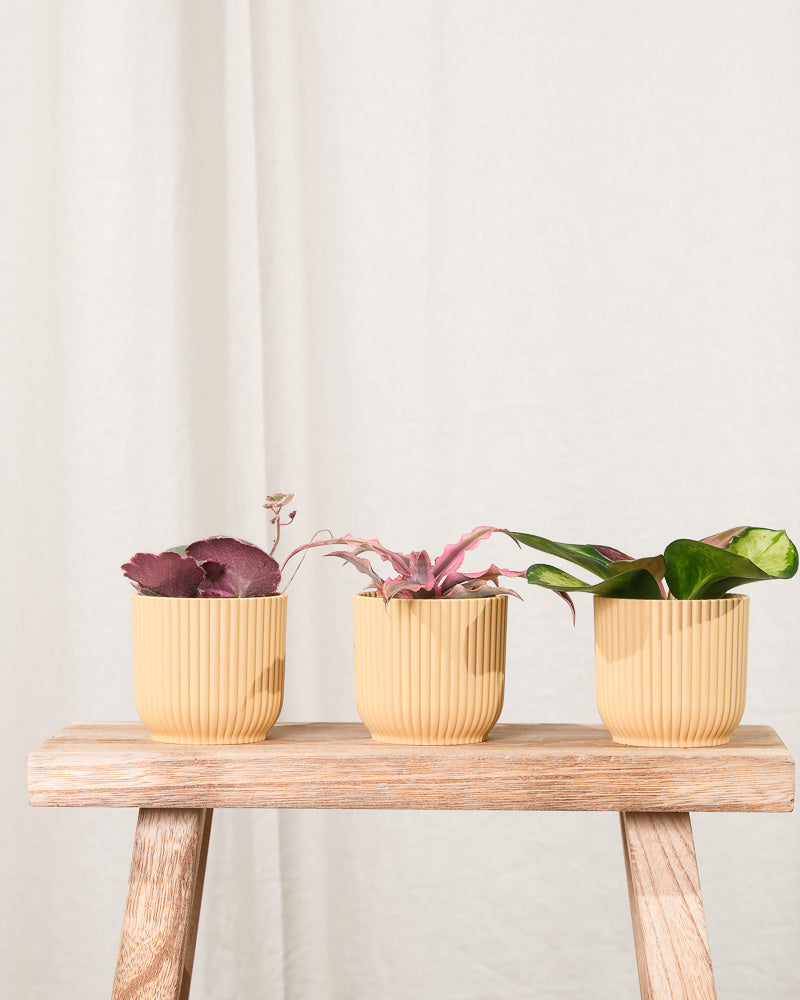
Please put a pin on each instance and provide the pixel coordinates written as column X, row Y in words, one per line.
column 419, row 576
column 219, row 566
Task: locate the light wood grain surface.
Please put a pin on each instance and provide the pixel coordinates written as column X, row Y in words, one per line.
column 669, row 928
column 159, row 928
column 337, row 766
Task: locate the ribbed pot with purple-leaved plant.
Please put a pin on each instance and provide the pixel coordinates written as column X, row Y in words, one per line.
column 209, row 638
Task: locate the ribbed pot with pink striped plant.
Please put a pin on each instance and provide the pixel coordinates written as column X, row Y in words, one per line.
column 429, row 642
column 670, row 638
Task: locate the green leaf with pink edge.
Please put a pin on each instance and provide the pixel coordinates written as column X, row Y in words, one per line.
column 692, row 569
column 591, row 557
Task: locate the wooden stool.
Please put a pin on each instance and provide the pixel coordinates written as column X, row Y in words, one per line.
column 337, row 766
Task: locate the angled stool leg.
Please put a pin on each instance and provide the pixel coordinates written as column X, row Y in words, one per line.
column 669, row 928
column 159, row 928
column 197, row 899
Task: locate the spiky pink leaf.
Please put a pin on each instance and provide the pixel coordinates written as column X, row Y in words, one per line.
column 350, row 540
column 400, row 587
column 416, row 576
column 477, row 588
column 401, row 563
column 453, row 555
column 493, row 573
column 420, row 570
column 360, row 564
column 165, row 575
column 315, row 545
column 248, row 570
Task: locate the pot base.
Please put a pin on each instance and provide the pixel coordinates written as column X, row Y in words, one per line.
column 410, row 742
column 188, row 741
column 663, row 745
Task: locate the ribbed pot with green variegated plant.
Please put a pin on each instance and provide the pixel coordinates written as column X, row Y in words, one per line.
column 671, row 661
column 429, row 643
column 209, row 638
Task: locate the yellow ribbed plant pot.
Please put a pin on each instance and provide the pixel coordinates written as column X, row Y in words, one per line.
column 671, row 673
column 209, row 670
column 429, row 672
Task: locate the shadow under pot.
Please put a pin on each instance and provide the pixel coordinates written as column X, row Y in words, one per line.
column 429, row 672
column 671, row 673
column 209, row 670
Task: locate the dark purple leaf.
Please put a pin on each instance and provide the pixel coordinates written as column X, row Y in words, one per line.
column 213, row 569
column 247, row 570
column 165, row 575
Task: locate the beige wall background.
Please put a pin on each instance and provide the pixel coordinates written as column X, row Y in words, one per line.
column 429, row 265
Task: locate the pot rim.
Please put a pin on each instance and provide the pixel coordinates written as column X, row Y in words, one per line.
column 371, row 593
column 157, row 597
column 671, row 600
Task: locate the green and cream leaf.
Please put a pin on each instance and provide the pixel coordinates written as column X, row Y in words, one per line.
column 633, row 583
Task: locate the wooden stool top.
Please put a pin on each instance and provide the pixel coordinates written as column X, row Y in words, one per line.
column 337, row 766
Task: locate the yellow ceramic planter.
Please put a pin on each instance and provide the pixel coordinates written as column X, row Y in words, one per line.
column 429, row 672
column 671, row 673
column 209, row 670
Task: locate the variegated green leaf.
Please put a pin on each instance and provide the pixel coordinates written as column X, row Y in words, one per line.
column 772, row 551
column 635, row 583
column 696, row 570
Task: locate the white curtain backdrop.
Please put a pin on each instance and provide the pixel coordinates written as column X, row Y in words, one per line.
column 429, row 265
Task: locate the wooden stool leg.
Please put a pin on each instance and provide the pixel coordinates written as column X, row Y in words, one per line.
column 669, row 928
column 159, row 928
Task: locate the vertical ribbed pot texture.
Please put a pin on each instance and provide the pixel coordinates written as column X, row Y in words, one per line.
column 429, row 672
column 671, row 673
column 209, row 670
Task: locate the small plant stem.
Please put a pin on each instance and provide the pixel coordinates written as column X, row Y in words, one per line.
column 313, row 538
column 277, row 522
